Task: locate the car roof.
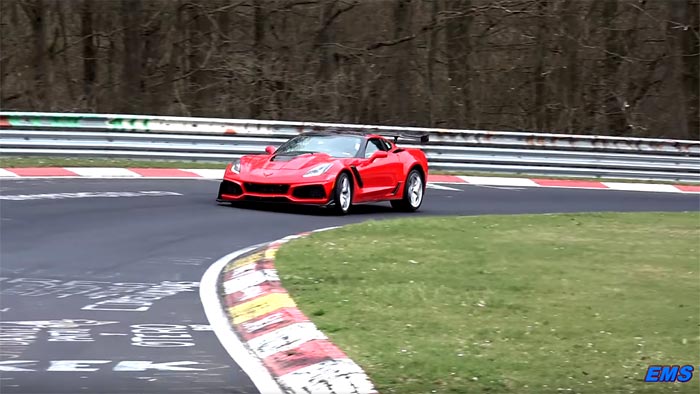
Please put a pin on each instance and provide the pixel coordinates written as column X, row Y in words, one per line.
column 342, row 132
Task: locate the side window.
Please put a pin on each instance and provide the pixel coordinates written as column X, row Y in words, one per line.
column 373, row 145
column 387, row 145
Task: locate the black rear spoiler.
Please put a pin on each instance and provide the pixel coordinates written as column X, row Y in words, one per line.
column 415, row 136
column 409, row 137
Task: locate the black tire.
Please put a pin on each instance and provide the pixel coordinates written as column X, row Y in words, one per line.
column 342, row 194
column 412, row 197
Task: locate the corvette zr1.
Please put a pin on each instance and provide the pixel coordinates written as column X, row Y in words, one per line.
column 334, row 169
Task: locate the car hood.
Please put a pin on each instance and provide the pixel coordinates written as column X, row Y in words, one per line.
column 258, row 164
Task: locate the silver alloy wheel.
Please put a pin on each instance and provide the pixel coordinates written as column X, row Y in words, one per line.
column 345, row 194
column 415, row 190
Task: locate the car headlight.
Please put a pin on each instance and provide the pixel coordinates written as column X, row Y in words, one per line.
column 318, row 170
column 236, row 166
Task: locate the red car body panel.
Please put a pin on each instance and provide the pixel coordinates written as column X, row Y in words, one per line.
column 374, row 179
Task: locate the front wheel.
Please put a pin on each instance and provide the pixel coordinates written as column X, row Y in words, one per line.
column 412, row 193
column 342, row 194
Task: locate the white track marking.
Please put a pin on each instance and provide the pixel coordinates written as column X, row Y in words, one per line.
column 311, row 379
column 440, row 187
column 103, row 172
column 285, row 338
column 215, row 311
column 641, row 187
column 7, row 174
column 63, row 196
column 501, row 187
column 205, row 173
column 497, row 181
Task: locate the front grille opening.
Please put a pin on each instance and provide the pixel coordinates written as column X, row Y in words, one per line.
column 266, row 199
column 230, row 188
column 266, row 188
column 311, row 191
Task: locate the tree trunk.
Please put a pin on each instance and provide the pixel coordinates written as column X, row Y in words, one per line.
column 256, row 105
column 132, row 72
column 201, row 39
column 691, row 66
column 89, row 54
column 683, row 29
column 326, row 66
column 403, row 15
column 540, row 110
column 613, row 103
column 459, row 63
column 570, row 81
column 36, row 11
column 430, row 63
column 105, row 100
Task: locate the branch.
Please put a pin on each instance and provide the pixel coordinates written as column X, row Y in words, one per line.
column 398, row 41
column 11, row 98
column 337, row 13
column 390, row 43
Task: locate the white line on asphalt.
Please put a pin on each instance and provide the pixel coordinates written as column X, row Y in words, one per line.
column 206, row 173
column 251, row 365
column 498, row 181
column 7, row 174
column 640, row 187
column 61, row 196
column 440, row 187
column 95, row 172
column 501, row 187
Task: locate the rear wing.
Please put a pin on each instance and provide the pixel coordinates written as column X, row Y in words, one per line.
column 423, row 138
column 407, row 136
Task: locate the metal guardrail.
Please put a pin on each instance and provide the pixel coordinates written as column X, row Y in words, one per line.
column 460, row 150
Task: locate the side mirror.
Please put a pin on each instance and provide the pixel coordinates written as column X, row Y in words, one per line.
column 270, row 149
column 380, row 154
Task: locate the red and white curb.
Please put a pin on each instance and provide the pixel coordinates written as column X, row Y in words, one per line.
column 177, row 173
column 258, row 323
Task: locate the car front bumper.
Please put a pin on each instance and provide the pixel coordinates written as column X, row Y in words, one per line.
column 314, row 193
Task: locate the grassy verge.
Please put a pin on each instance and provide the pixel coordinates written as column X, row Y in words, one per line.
column 48, row 161
column 578, row 303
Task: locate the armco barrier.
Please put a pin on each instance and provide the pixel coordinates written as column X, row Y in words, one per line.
column 160, row 137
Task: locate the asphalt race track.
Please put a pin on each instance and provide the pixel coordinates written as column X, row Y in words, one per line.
column 99, row 292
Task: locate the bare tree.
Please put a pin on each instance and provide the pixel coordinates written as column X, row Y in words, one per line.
column 683, row 32
column 89, row 52
column 132, row 67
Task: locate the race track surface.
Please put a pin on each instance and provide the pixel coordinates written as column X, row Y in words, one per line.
column 99, row 292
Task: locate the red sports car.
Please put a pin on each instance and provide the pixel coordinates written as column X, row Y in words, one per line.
column 334, row 169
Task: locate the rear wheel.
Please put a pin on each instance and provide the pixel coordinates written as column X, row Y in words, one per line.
column 412, row 193
column 342, row 194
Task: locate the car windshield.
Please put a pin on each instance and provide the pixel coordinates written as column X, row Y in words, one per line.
column 333, row 145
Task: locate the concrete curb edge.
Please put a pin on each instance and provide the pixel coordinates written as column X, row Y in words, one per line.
column 265, row 319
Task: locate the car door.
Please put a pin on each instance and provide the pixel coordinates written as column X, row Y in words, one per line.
column 378, row 175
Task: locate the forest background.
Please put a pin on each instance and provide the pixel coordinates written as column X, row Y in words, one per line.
column 609, row 67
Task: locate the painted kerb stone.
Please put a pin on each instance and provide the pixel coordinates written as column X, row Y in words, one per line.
column 297, row 354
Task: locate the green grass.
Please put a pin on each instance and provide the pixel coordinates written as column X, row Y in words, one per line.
column 51, row 161
column 577, row 303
